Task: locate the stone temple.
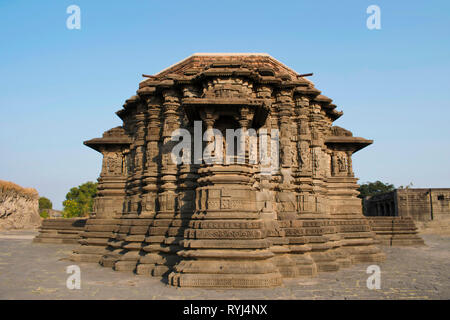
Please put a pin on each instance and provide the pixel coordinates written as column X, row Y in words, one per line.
column 217, row 224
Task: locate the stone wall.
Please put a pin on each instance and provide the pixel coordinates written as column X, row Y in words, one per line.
column 19, row 207
column 416, row 203
column 424, row 204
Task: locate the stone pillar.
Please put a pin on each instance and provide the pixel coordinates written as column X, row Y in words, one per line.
column 350, row 164
column 150, row 185
column 357, row 238
column 109, row 201
column 159, row 251
column 134, row 182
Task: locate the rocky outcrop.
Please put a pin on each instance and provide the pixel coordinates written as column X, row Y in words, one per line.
column 19, row 207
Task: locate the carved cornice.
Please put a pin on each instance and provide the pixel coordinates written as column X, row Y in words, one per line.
column 111, row 138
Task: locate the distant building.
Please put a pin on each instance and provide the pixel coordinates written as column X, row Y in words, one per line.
column 419, row 204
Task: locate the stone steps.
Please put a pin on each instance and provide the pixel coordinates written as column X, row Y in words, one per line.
column 94, row 239
column 395, row 231
column 60, row 230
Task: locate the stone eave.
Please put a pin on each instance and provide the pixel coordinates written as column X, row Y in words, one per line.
column 121, row 113
column 97, row 143
column 152, row 87
column 322, row 98
column 128, row 105
column 351, row 143
column 334, row 115
column 307, row 91
column 221, row 101
column 331, row 111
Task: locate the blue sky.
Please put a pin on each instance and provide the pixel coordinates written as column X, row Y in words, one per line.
column 59, row 87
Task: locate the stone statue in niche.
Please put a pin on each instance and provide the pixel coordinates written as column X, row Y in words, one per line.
column 130, row 160
column 189, row 92
column 303, row 155
column 252, row 149
column 113, row 164
column 342, row 162
column 316, row 108
column 138, row 159
column 286, row 154
column 149, row 202
column 184, row 120
column 326, row 163
column 125, row 162
column 166, row 160
column 316, row 160
column 315, row 134
column 294, row 157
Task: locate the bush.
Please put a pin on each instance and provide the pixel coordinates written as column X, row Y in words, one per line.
column 71, row 209
column 45, row 203
column 44, row 214
column 373, row 188
column 79, row 200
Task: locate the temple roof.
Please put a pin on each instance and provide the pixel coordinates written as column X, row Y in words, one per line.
column 260, row 67
column 261, row 62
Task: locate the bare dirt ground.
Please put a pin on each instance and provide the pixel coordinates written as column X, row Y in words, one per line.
column 38, row 271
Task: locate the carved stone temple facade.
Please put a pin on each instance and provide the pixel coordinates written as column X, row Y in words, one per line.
column 212, row 224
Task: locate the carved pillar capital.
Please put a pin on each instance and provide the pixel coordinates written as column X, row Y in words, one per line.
column 264, row 92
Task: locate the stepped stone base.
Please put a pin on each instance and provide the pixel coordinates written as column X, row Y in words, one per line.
column 225, row 281
column 395, row 231
column 136, row 247
column 94, row 240
column 60, row 230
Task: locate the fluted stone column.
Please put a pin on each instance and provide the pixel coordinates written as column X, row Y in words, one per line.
column 161, row 245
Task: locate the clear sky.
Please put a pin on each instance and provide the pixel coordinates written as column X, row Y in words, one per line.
column 59, row 87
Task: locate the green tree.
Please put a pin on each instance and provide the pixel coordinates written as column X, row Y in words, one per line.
column 44, row 213
column 71, row 209
column 373, row 188
column 79, row 200
column 45, row 203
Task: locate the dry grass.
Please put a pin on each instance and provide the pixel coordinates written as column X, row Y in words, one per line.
column 7, row 185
